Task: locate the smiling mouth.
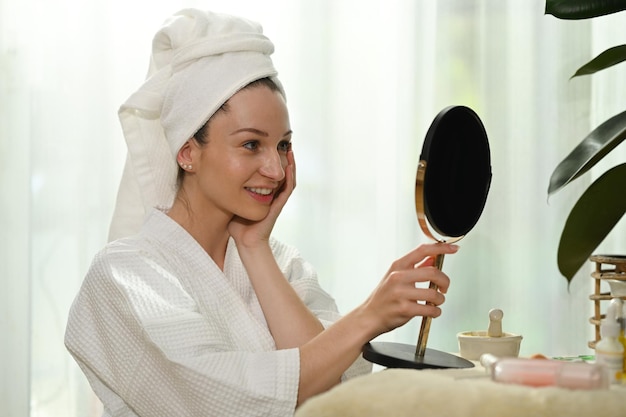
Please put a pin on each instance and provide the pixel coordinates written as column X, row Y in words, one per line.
column 261, row 191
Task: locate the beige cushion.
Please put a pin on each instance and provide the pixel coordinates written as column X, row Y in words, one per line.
column 458, row 393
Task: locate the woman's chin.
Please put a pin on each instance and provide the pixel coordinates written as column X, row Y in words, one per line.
column 254, row 215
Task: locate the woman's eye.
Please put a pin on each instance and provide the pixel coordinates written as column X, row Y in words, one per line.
column 253, row 145
column 284, row 146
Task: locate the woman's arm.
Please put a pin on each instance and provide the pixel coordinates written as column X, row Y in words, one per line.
column 393, row 303
column 290, row 321
column 326, row 354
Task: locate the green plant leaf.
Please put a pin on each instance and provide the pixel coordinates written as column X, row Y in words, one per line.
column 594, row 215
column 592, row 149
column 583, row 9
column 606, row 59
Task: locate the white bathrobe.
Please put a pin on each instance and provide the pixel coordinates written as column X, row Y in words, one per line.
column 160, row 330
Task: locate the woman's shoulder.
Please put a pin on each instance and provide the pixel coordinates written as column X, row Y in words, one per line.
column 125, row 255
column 136, row 270
column 127, row 247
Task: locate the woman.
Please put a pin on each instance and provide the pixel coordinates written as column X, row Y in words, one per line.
column 197, row 310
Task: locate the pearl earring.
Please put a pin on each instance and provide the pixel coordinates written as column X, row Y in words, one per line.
column 185, row 167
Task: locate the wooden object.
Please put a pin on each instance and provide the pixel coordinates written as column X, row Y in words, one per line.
column 608, row 267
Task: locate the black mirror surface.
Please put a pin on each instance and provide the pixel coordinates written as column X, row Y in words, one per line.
column 457, row 173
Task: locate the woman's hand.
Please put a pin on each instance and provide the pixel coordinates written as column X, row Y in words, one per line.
column 289, row 320
column 250, row 233
column 394, row 302
column 396, row 299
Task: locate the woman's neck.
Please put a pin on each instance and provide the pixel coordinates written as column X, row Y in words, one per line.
column 211, row 233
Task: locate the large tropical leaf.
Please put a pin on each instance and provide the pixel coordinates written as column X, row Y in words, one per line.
column 594, row 215
column 606, row 59
column 583, row 9
column 592, row 149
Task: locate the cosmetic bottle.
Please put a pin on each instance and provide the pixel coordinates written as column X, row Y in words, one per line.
column 545, row 372
column 621, row 320
column 609, row 350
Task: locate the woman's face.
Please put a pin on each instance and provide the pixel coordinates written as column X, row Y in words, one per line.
column 242, row 166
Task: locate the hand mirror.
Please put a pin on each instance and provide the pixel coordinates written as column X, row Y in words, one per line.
column 451, row 187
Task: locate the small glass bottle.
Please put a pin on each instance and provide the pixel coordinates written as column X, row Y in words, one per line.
column 621, row 320
column 609, row 350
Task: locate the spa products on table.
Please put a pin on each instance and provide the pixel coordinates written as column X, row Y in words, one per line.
column 472, row 344
column 610, row 350
column 545, row 372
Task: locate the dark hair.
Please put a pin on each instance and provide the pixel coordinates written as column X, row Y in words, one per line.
column 202, row 135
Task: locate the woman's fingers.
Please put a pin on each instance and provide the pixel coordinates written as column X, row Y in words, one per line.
column 423, row 274
column 292, row 162
column 399, row 297
column 427, row 296
column 422, row 253
column 435, row 276
column 405, row 283
column 288, row 185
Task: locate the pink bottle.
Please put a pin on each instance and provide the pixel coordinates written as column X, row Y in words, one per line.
column 545, row 372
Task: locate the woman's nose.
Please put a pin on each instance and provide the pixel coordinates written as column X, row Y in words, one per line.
column 273, row 166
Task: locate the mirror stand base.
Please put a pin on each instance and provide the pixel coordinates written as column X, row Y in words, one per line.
column 398, row 355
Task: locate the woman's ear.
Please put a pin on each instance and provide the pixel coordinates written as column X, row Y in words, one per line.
column 184, row 157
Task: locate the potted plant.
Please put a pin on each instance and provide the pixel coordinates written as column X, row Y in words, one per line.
column 604, row 201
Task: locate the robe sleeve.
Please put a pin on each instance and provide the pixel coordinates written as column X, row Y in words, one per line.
column 146, row 348
column 303, row 279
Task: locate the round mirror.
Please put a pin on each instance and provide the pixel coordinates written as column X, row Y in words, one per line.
column 451, row 187
column 454, row 173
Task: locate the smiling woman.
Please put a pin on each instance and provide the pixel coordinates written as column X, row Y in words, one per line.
column 195, row 308
column 225, row 154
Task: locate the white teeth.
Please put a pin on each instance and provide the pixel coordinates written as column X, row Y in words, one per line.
column 262, row 191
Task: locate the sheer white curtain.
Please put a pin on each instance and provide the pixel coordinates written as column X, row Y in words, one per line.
column 364, row 80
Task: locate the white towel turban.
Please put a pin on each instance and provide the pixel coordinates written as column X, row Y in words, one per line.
column 199, row 60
